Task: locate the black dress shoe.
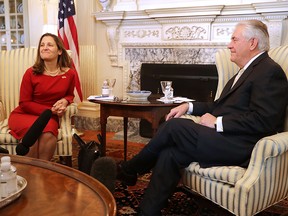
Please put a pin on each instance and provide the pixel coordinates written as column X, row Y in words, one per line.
column 126, row 178
column 140, row 213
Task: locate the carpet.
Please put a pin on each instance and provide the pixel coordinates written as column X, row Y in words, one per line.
column 182, row 202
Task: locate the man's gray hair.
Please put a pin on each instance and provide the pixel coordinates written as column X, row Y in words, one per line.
column 256, row 29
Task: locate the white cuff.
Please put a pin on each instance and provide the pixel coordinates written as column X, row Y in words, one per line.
column 219, row 124
column 190, row 108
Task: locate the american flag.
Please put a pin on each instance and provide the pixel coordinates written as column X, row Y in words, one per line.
column 67, row 31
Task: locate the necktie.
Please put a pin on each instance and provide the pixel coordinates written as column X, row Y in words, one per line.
column 240, row 72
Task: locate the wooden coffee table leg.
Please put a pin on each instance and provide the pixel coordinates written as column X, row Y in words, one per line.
column 103, row 122
column 125, row 137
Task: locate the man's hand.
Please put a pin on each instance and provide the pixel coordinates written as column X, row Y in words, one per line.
column 59, row 107
column 177, row 111
column 208, row 120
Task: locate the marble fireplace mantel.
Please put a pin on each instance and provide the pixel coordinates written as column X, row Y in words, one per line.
column 163, row 34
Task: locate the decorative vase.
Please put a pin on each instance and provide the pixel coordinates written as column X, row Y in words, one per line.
column 105, row 4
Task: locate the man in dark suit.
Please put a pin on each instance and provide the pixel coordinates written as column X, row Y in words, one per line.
column 251, row 106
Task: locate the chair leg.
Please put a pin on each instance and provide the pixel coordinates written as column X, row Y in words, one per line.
column 66, row 160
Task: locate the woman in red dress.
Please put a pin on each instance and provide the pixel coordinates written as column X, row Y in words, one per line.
column 48, row 84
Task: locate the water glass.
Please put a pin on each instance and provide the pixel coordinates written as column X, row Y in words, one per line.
column 167, row 90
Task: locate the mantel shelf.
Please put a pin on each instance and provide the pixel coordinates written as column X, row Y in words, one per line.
column 213, row 10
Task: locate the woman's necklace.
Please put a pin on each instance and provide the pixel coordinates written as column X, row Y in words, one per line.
column 53, row 73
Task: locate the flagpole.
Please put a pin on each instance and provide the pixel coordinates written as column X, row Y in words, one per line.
column 67, row 32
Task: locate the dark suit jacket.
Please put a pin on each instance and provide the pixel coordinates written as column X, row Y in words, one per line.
column 254, row 108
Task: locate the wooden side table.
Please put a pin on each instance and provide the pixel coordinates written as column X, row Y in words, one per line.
column 151, row 110
column 55, row 189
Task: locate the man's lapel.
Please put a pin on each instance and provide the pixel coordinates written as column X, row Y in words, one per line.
column 228, row 90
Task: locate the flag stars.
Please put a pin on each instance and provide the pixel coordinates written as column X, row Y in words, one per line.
column 66, row 10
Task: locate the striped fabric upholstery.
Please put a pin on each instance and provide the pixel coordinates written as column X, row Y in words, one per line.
column 245, row 192
column 225, row 68
column 2, row 113
column 225, row 174
column 12, row 66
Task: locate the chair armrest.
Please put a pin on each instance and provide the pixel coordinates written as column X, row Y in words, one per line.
column 265, row 149
column 267, row 168
column 2, row 111
column 65, row 123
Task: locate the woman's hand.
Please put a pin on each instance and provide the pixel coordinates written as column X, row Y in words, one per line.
column 60, row 107
column 177, row 111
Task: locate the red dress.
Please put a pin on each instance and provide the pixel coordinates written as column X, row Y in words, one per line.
column 38, row 93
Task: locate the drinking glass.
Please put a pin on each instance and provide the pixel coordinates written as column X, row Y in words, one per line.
column 166, row 89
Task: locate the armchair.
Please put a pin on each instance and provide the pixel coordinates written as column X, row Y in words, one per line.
column 12, row 66
column 245, row 192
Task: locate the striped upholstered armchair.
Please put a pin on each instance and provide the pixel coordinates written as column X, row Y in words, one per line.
column 12, row 67
column 245, row 192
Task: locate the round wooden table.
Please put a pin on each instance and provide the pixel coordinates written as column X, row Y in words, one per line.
column 55, row 189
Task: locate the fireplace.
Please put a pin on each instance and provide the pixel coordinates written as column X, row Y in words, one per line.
column 185, row 34
column 195, row 81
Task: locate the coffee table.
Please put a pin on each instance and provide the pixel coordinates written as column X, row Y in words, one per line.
column 55, row 189
column 151, row 110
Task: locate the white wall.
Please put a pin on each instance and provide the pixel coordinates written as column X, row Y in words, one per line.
column 35, row 21
column 37, row 12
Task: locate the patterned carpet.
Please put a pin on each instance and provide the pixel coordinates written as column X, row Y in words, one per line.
column 182, row 202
